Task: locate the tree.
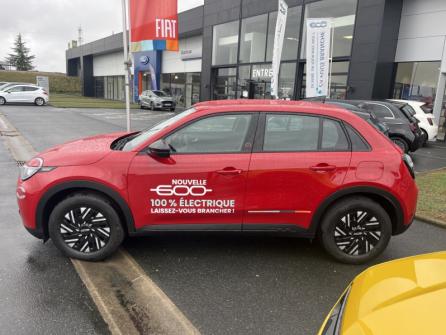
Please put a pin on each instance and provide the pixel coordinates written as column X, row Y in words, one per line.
column 20, row 58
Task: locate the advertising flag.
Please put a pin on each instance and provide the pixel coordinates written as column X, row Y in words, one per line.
column 278, row 45
column 153, row 25
column 318, row 57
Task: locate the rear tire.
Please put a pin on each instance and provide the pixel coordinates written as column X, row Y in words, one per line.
column 85, row 226
column 2, row 101
column 355, row 230
column 401, row 143
column 39, row 102
column 426, row 138
column 152, row 106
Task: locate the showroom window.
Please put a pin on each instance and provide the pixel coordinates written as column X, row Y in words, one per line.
column 253, row 39
column 292, row 33
column 338, row 81
column 183, row 87
column 416, row 81
column 225, row 83
column 225, row 43
column 343, row 13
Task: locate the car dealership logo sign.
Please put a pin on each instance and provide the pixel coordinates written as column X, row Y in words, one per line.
column 144, row 60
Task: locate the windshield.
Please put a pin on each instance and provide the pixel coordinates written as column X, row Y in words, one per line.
column 160, row 93
column 145, row 134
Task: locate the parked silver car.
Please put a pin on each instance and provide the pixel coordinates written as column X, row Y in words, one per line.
column 156, row 100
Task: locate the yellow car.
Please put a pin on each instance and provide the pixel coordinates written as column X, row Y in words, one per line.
column 405, row 296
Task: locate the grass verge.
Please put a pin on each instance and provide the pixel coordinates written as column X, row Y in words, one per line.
column 432, row 196
column 78, row 101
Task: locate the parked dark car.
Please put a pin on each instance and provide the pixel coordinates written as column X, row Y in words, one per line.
column 370, row 117
column 403, row 127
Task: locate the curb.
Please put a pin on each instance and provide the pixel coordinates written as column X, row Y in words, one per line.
column 432, row 221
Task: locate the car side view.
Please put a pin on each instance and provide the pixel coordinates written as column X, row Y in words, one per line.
column 24, row 94
column 308, row 169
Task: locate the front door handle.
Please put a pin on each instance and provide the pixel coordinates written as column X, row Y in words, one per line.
column 323, row 167
column 229, row 171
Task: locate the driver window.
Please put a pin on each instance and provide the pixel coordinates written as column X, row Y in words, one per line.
column 216, row 134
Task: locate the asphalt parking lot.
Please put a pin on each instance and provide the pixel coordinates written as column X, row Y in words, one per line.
column 224, row 283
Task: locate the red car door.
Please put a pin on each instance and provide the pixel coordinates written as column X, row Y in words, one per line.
column 298, row 160
column 202, row 185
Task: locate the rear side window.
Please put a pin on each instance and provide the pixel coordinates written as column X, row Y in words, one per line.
column 358, row 143
column 380, row 111
column 333, row 136
column 291, row 133
column 30, row 88
column 16, row 89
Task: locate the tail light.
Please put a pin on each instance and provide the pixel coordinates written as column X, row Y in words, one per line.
column 409, row 164
column 413, row 127
column 45, row 92
column 429, row 119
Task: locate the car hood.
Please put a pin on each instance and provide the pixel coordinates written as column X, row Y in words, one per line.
column 80, row 152
column 406, row 296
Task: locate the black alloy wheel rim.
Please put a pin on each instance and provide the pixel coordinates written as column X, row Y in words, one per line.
column 400, row 144
column 85, row 229
column 357, row 232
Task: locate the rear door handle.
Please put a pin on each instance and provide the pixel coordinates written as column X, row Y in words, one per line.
column 229, row 171
column 323, row 168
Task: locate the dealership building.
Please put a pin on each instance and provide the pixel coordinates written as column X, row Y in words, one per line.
column 381, row 49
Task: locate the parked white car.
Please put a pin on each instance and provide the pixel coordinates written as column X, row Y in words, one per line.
column 427, row 122
column 24, row 94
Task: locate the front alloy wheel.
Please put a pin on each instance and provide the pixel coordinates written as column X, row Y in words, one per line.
column 85, row 229
column 355, row 230
column 85, row 226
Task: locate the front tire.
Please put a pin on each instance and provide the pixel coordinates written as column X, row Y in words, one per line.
column 39, row 102
column 152, row 107
column 355, row 230
column 86, row 227
column 2, row 101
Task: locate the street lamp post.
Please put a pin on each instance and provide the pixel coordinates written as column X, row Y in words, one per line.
column 126, row 64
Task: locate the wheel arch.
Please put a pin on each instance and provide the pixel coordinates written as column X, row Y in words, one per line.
column 55, row 194
column 382, row 197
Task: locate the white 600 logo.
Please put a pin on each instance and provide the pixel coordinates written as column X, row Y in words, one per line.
column 181, row 190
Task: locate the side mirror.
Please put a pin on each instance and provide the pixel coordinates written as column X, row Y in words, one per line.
column 159, row 149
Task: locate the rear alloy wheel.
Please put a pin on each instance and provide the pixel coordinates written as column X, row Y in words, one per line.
column 356, row 230
column 2, row 101
column 86, row 227
column 401, row 143
column 39, row 102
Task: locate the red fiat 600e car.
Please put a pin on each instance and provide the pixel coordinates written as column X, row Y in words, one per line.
column 305, row 168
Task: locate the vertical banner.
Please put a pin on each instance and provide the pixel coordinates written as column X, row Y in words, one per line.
column 318, row 57
column 154, row 25
column 278, row 45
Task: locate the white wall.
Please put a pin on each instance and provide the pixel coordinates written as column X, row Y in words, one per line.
column 184, row 5
column 109, row 64
column 172, row 62
column 422, row 33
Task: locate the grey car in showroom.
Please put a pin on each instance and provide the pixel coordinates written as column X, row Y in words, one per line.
column 156, row 100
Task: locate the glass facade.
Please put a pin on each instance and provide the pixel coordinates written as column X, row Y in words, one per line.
column 110, row 87
column 416, row 81
column 343, row 14
column 184, row 87
column 247, row 58
column 253, row 39
column 225, row 43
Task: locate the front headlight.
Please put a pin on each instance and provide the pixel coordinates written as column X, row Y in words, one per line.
column 334, row 320
column 30, row 168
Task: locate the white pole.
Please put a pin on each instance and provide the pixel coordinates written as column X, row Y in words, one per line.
column 126, row 63
column 331, row 59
